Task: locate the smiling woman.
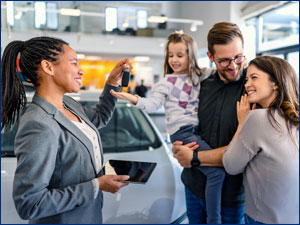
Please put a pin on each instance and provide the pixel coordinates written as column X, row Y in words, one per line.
column 59, row 153
column 266, row 145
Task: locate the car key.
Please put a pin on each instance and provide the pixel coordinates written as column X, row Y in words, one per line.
column 125, row 77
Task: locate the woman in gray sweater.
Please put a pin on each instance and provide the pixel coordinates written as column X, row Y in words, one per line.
column 266, row 145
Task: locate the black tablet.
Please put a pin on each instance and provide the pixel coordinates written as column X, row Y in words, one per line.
column 139, row 172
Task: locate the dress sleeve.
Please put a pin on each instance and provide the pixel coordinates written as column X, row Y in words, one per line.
column 157, row 99
column 247, row 144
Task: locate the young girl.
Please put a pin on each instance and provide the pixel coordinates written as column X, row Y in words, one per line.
column 179, row 92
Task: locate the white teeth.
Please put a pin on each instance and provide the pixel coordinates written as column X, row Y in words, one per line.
column 250, row 92
column 78, row 81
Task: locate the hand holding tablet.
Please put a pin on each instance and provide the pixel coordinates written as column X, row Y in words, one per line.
column 139, row 172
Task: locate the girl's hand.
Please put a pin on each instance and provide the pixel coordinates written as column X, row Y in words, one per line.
column 193, row 145
column 183, row 154
column 242, row 108
column 116, row 74
column 124, row 95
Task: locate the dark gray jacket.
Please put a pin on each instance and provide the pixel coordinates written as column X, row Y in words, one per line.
column 56, row 165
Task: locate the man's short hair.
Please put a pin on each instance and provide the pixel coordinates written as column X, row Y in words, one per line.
column 223, row 33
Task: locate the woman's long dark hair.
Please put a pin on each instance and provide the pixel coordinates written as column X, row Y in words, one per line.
column 284, row 76
column 32, row 52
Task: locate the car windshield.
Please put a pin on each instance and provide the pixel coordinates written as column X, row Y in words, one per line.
column 128, row 130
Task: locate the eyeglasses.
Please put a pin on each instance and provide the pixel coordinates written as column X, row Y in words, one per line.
column 238, row 60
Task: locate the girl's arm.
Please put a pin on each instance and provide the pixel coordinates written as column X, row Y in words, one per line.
column 124, row 95
column 157, row 99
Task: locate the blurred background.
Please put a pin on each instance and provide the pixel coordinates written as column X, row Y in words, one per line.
column 103, row 32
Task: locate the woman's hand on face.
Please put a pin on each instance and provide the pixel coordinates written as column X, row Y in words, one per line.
column 242, row 108
column 112, row 183
column 116, row 74
column 124, row 95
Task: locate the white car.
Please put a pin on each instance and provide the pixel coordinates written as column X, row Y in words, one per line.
column 130, row 135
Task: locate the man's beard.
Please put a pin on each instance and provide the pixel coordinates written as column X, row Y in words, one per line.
column 228, row 78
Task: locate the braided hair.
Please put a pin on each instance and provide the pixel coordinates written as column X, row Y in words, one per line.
column 32, row 52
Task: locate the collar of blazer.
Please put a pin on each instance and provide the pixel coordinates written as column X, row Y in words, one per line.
column 67, row 124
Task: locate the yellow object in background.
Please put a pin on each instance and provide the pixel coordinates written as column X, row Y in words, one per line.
column 95, row 72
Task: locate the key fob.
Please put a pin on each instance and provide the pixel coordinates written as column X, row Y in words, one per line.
column 125, row 77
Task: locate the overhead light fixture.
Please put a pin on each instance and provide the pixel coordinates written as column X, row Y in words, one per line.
column 18, row 15
column 142, row 58
column 81, row 56
column 10, row 12
column 93, row 58
column 193, row 27
column 69, row 12
column 126, row 23
column 157, row 19
column 163, row 19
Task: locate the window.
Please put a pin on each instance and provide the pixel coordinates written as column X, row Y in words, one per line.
column 111, row 20
column 45, row 15
column 10, row 13
column 279, row 27
column 124, row 18
column 276, row 33
column 40, row 14
column 128, row 130
column 142, row 18
column 293, row 59
column 52, row 18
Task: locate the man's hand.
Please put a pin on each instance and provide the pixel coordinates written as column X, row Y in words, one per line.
column 112, row 183
column 184, row 153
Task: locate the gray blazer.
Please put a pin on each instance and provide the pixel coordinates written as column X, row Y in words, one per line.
column 55, row 162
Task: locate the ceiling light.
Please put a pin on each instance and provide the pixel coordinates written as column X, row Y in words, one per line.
column 81, row 56
column 93, row 58
column 157, row 19
column 193, row 27
column 142, row 59
column 18, row 15
column 69, row 12
column 10, row 12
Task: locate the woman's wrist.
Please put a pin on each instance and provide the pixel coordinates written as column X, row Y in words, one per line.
column 113, row 82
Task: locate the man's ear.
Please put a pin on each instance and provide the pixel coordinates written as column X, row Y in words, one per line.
column 47, row 67
column 210, row 56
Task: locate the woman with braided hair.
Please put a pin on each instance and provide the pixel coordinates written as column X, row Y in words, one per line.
column 59, row 154
column 266, row 145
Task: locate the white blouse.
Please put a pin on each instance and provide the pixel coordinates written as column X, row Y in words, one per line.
column 91, row 134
